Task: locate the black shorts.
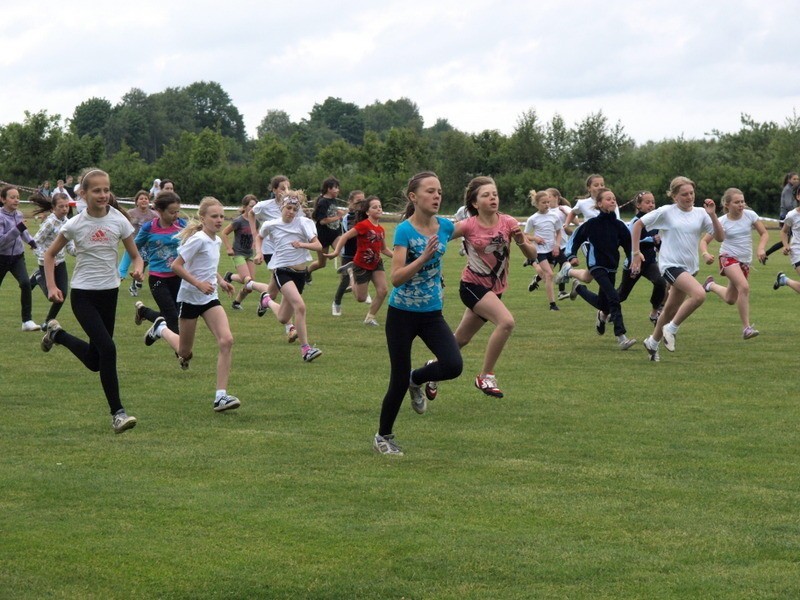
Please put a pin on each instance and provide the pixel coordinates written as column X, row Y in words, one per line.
column 284, row 276
column 472, row 293
column 193, row 311
column 671, row 274
column 327, row 236
column 546, row 256
column 365, row 275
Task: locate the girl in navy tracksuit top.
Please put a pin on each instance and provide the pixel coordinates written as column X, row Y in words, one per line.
column 605, row 234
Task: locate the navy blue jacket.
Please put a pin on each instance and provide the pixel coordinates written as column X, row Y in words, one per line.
column 605, row 234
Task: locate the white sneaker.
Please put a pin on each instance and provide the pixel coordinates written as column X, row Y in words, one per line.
column 385, row 444
column 563, row 295
column 563, row 274
column 371, row 322
column 625, row 342
column 669, row 339
column 227, row 402
column 418, row 400
column 652, row 348
column 122, row 422
column 30, row 326
column 336, row 310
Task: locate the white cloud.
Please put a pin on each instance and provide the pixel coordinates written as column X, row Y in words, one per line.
column 662, row 69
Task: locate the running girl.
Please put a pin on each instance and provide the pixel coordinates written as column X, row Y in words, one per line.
column 415, row 306
column 292, row 236
column 487, row 236
column 790, row 239
column 159, row 240
column 645, row 202
column 241, row 251
column 588, row 206
column 139, row 214
column 371, row 243
column 196, row 265
column 96, row 233
column 44, row 238
column 736, row 254
column 13, row 232
column 680, row 225
column 544, row 229
column 604, row 235
column 328, row 217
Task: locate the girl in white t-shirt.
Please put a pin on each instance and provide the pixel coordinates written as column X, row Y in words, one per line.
column 544, row 229
column 96, row 233
column 736, row 254
column 588, row 206
column 196, row 265
column 292, row 236
column 680, row 225
column 790, row 239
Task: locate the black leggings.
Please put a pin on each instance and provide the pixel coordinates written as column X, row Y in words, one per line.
column 165, row 293
column 402, row 327
column 15, row 264
column 651, row 272
column 344, row 281
column 96, row 311
column 607, row 300
column 62, row 283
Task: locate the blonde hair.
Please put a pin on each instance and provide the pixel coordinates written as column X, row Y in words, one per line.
column 536, row 196
column 728, row 195
column 677, row 183
column 561, row 200
column 194, row 225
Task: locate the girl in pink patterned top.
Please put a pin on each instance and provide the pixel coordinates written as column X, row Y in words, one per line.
column 487, row 236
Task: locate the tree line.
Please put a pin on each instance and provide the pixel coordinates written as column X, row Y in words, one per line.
column 195, row 136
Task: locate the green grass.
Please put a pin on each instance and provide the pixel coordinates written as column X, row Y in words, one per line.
column 599, row 475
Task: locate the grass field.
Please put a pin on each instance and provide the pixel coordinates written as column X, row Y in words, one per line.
column 599, row 475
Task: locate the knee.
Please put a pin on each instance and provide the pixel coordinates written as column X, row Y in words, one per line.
column 506, row 325
column 699, row 297
column 451, row 368
column 226, row 343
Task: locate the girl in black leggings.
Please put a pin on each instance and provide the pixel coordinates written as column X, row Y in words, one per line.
column 415, row 307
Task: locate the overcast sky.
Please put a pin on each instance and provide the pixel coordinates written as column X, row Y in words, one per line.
column 663, row 69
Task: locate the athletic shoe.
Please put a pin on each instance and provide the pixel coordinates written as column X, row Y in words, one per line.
column 600, row 323
column 43, row 327
column 488, row 385
column 652, row 348
column 573, row 291
column 336, row 310
column 137, row 315
column 431, row 387
column 152, row 335
column 31, row 326
column 34, row 279
column 563, row 295
column 228, row 276
column 418, row 400
column 669, row 339
column 625, row 343
column 311, row 354
column 227, row 402
column 139, row 284
column 654, row 318
column 371, row 322
column 184, row 362
column 237, row 305
column 122, row 422
column 385, row 444
column 291, row 335
column 368, row 300
column 263, row 304
column 554, row 306
column 749, row 332
column 345, row 267
column 779, row 281
column 49, row 338
column 133, row 289
column 707, row 283
column 563, row 274
column 534, row 284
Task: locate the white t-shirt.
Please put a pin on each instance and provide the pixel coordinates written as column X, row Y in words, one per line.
column 680, row 233
column 587, row 207
column 544, row 226
column 266, row 210
column 738, row 241
column 562, row 211
column 200, row 255
column 283, row 234
column 793, row 220
column 461, row 214
column 96, row 248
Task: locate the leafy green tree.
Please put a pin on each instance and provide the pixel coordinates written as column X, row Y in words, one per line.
column 382, row 116
column 90, row 117
column 277, row 123
column 526, row 148
column 128, row 171
column 27, row 148
column 343, row 118
column 73, row 153
column 214, row 109
column 595, row 145
column 208, row 150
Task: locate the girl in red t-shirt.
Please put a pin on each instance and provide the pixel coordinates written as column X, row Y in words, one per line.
column 367, row 263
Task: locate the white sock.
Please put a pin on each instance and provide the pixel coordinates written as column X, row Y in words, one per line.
column 160, row 329
column 220, row 394
column 672, row 327
column 287, row 327
column 249, row 285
